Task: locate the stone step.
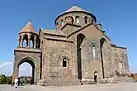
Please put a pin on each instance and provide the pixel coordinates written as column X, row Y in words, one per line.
column 59, row 82
column 117, row 80
column 88, row 82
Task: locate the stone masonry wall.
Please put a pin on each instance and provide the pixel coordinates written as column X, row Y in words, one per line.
column 53, row 54
column 90, row 65
column 107, row 62
column 120, row 60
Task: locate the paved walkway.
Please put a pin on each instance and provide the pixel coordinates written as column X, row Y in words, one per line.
column 98, row 87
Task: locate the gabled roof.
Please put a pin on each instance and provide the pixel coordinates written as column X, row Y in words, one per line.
column 75, row 8
column 113, row 45
column 28, row 28
column 53, row 32
column 81, row 28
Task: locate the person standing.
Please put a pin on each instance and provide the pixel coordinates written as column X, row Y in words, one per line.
column 16, row 82
column 95, row 76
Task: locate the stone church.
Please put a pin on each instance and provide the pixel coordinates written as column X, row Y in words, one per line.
column 71, row 53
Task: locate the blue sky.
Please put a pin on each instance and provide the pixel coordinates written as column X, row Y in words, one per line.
column 118, row 17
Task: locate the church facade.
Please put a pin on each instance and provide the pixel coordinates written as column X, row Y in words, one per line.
column 73, row 52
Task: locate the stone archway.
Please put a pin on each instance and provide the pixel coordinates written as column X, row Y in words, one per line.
column 31, row 56
column 28, row 60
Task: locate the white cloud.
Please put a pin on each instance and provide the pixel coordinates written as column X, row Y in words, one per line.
column 7, row 69
column 5, row 64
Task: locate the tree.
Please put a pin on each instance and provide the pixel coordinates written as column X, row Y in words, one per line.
column 5, row 79
column 2, row 79
column 8, row 80
column 22, row 79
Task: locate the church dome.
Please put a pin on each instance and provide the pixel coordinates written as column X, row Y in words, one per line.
column 76, row 14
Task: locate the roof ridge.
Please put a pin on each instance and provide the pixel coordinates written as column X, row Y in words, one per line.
column 48, row 28
column 50, row 31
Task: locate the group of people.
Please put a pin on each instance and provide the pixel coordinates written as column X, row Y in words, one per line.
column 17, row 82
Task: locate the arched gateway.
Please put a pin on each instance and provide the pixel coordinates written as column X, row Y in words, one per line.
column 28, row 51
column 31, row 62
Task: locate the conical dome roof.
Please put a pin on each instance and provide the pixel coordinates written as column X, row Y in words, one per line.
column 75, row 8
column 28, row 28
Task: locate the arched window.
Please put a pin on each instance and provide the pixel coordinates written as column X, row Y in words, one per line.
column 86, row 19
column 56, row 23
column 25, row 40
column 94, row 51
column 64, row 62
column 32, row 41
column 62, row 22
column 92, row 21
column 77, row 19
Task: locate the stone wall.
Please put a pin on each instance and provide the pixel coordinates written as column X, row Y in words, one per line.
column 107, row 62
column 90, row 65
column 53, row 54
column 120, row 59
